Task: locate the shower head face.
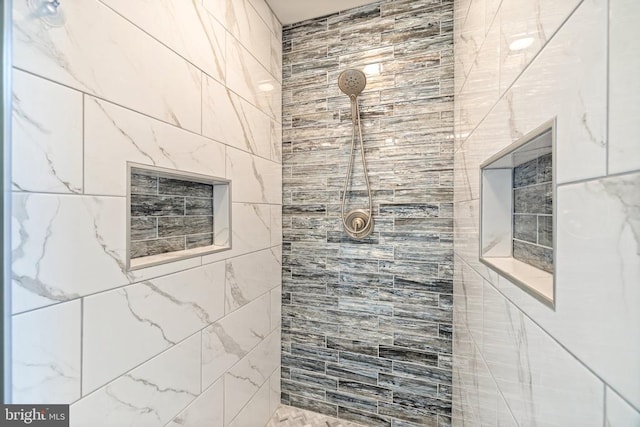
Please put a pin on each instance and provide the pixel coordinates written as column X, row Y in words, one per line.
column 352, row 82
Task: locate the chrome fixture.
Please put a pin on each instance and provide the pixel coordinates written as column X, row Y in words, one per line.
column 358, row 223
column 48, row 11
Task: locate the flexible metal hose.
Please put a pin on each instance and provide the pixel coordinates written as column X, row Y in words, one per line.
column 356, row 123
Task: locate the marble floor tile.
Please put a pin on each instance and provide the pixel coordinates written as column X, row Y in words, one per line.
column 287, row 416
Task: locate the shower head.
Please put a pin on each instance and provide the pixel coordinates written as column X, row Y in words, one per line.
column 352, row 82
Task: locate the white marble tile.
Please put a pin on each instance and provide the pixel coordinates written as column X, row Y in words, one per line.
column 164, row 269
column 624, row 86
column 276, row 225
column 217, row 8
column 100, row 53
column 150, row 395
column 254, row 179
column 467, row 296
column 79, row 245
column 230, row 119
column 246, row 25
column 274, row 390
column 251, row 80
column 619, row 412
column 598, row 238
column 568, row 81
column 114, row 135
column 471, row 33
column 124, row 327
column 227, row 341
column 525, row 27
column 186, row 27
column 541, row 382
column 276, row 141
column 268, row 17
column 276, row 57
column 207, row 410
column 47, row 136
column 466, row 238
column 257, row 411
column 481, row 88
column 65, row 247
column 250, row 230
column 505, row 418
column 250, row 276
column 276, row 307
column 250, row 375
column 475, row 392
column 46, row 359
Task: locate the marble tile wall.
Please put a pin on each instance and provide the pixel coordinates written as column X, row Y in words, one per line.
column 171, row 84
column 532, row 213
column 367, row 324
column 516, row 361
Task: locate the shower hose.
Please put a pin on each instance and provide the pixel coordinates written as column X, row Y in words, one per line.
column 358, row 226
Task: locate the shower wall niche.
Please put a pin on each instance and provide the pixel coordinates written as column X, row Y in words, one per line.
column 175, row 215
column 517, row 193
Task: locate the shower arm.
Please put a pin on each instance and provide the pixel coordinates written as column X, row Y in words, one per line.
column 356, row 123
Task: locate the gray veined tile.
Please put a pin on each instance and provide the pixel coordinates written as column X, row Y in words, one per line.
column 319, row 353
column 351, row 401
column 426, row 403
column 199, row 240
column 408, row 355
column 366, row 418
column 534, row 199
column 545, row 230
column 143, row 183
column 303, row 390
column 197, row 206
column 178, row 187
column 146, row 248
column 537, row 256
column 365, row 390
column 295, row 362
column 415, row 415
column 143, row 228
column 526, row 174
column 310, row 378
column 157, row 205
column 525, row 227
column 352, row 373
column 352, row 345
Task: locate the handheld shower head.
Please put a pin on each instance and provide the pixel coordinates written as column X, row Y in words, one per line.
column 352, row 82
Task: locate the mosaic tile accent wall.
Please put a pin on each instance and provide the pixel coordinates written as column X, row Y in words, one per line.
column 367, row 324
column 532, row 213
column 169, row 215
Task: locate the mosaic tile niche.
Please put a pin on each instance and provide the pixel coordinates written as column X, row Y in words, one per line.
column 173, row 213
column 533, row 213
column 366, row 324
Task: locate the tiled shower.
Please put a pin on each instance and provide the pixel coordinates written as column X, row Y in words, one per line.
column 367, row 324
column 404, row 328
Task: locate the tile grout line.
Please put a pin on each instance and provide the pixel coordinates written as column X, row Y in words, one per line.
column 545, row 331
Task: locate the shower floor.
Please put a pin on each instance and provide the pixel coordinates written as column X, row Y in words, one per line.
column 288, row 416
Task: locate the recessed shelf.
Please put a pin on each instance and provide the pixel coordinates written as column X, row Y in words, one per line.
column 174, row 215
column 517, row 222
